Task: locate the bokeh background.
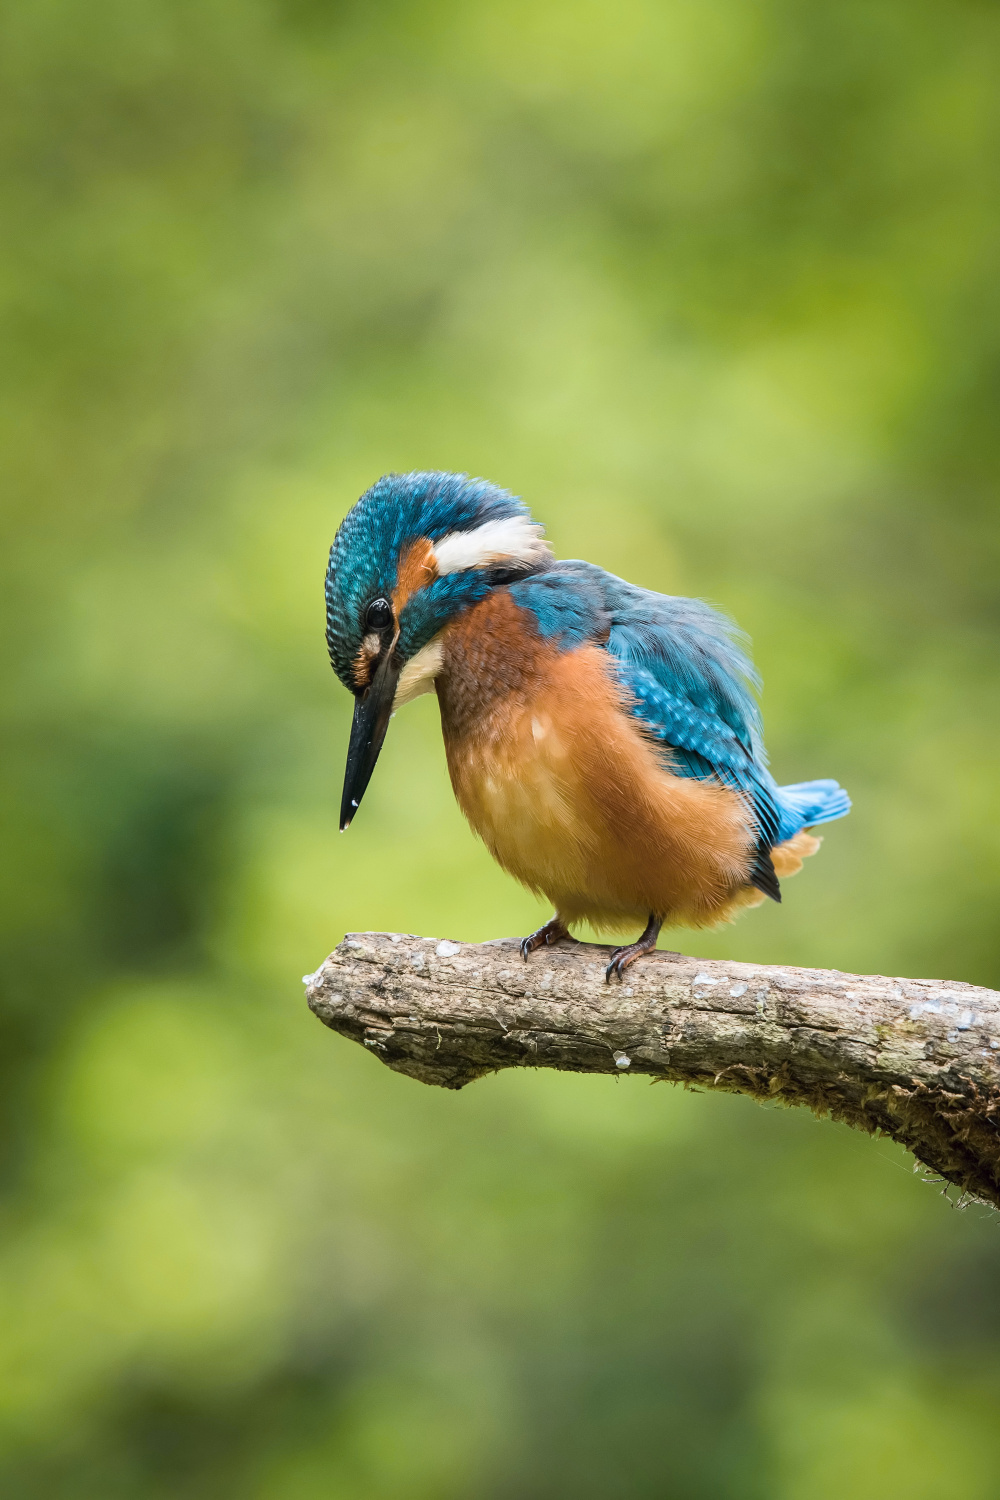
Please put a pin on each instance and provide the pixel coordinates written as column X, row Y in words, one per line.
column 714, row 285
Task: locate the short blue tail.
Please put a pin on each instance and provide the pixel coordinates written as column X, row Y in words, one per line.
column 808, row 803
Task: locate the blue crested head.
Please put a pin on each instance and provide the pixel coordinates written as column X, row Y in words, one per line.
column 428, row 544
column 413, row 552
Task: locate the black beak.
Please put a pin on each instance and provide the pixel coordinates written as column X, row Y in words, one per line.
column 371, row 720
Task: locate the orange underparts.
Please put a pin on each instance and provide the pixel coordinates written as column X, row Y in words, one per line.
column 570, row 796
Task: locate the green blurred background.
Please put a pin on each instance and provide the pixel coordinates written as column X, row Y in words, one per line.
column 714, row 285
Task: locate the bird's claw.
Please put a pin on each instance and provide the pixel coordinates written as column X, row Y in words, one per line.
column 620, row 960
column 544, row 937
column 623, row 958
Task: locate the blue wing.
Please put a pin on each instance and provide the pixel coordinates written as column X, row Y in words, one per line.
column 692, row 686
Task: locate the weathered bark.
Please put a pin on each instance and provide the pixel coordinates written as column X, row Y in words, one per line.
column 917, row 1059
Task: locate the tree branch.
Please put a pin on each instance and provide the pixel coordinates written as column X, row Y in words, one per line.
column 916, row 1059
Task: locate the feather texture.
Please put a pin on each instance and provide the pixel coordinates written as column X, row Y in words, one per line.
column 688, row 679
column 604, row 739
column 514, row 542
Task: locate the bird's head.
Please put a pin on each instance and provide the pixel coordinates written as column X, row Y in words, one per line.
column 415, row 551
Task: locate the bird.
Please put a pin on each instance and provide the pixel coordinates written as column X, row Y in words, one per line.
column 602, row 739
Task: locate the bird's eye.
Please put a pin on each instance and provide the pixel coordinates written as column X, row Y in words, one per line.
column 378, row 615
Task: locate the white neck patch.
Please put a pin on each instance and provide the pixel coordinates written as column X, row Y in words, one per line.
column 419, row 673
column 515, row 541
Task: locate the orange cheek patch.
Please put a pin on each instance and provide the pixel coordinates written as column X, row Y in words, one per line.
column 417, row 567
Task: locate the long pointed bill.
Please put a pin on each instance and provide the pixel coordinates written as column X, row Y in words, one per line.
column 371, row 720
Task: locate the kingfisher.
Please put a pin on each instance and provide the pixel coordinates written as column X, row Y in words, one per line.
column 603, row 740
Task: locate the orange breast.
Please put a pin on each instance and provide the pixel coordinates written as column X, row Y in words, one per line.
column 558, row 779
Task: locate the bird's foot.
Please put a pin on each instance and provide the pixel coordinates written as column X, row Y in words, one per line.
column 621, row 958
column 544, row 937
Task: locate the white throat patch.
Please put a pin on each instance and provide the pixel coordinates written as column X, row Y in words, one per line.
column 419, row 673
column 516, row 541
